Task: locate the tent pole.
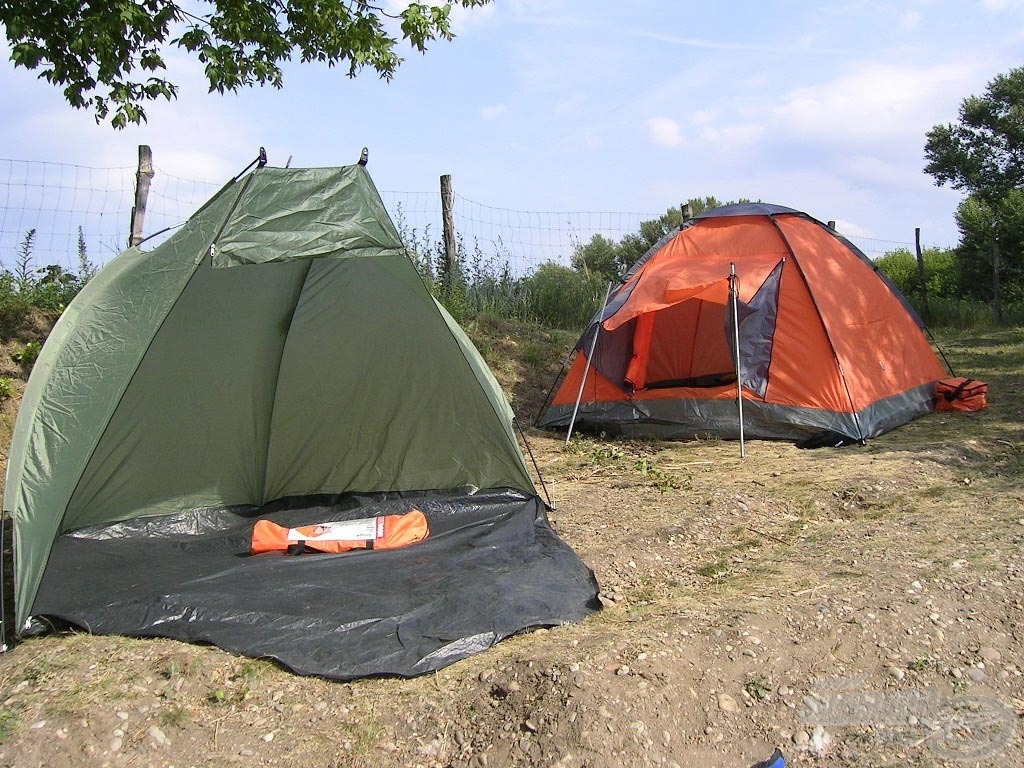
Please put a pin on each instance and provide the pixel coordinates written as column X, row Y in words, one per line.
column 3, row 588
column 586, row 369
column 735, row 297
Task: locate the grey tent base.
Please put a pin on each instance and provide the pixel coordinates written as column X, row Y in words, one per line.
column 686, row 418
column 491, row 567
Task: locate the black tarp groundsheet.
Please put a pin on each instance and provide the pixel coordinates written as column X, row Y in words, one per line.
column 491, row 567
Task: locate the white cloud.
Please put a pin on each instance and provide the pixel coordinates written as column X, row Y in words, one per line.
column 465, row 20
column 910, row 20
column 731, row 138
column 493, row 111
column 664, row 132
column 871, row 102
column 529, row 7
column 703, row 116
column 571, row 106
column 197, row 136
column 850, row 229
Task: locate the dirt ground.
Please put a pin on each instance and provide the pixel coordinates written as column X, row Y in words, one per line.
column 861, row 606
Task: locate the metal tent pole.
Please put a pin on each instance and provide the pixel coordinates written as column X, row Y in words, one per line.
column 735, row 297
column 586, row 369
column 3, row 583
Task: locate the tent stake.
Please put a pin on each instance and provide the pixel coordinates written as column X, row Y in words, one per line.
column 734, row 295
column 586, row 369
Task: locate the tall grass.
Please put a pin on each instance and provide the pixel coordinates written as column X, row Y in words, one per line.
column 551, row 295
column 49, row 289
column 968, row 314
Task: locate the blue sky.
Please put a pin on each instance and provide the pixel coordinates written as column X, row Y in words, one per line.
column 601, row 105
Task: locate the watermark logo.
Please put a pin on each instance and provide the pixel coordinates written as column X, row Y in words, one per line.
column 959, row 728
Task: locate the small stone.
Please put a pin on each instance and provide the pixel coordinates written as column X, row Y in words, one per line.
column 801, row 739
column 530, row 726
column 977, row 675
column 268, row 737
column 990, row 654
column 727, row 703
column 895, row 672
column 820, row 741
column 513, row 687
column 622, row 670
column 158, row 736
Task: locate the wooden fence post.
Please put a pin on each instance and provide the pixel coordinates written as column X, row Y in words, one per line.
column 448, row 222
column 922, row 278
column 143, row 177
column 997, row 293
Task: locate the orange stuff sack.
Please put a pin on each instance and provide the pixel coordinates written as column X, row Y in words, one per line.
column 960, row 394
column 384, row 532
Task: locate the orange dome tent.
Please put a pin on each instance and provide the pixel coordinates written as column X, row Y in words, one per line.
column 826, row 344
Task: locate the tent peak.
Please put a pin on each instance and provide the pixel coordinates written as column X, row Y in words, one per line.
column 746, row 209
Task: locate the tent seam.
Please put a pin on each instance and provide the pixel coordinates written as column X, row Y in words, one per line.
column 435, row 304
column 277, row 383
column 145, row 353
column 821, row 319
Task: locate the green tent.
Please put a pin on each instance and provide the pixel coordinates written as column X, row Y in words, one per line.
column 280, row 347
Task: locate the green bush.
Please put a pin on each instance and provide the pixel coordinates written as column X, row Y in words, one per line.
column 970, row 314
column 900, row 266
column 560, row 297
column 941, row 270
column 48, row 290
column 27, row 354
column 14, row 306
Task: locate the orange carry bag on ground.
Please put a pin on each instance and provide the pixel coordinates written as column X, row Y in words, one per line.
column 384, row 532
column 960, row 394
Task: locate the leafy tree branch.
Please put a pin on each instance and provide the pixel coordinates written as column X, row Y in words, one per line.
column 109, row 55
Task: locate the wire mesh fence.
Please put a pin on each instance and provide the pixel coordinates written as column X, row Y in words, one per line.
column 70, row 206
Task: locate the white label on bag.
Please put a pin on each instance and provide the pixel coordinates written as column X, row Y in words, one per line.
column 345, row 530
